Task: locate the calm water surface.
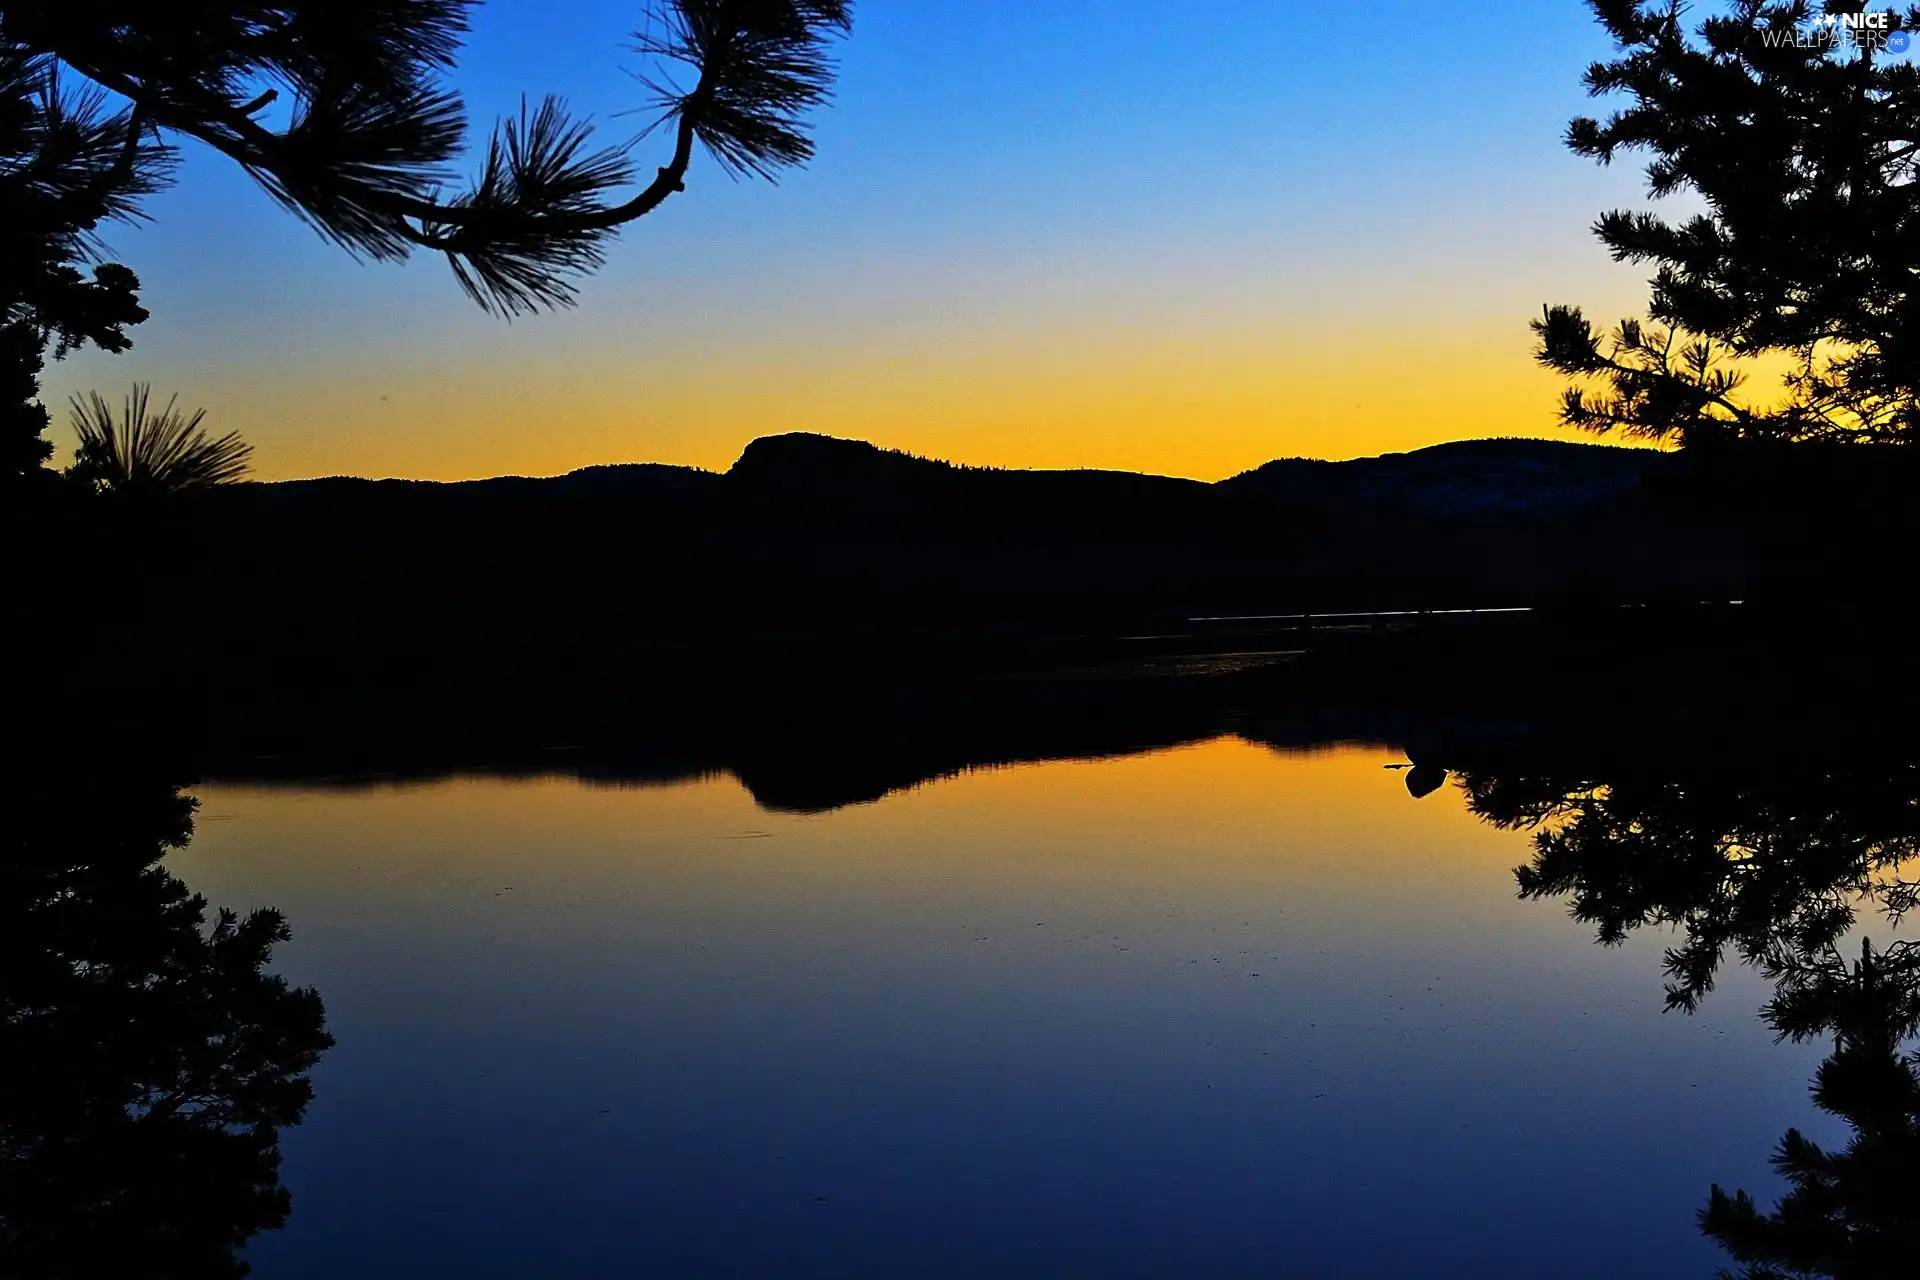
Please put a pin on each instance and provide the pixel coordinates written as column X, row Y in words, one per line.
column 1218, row 1010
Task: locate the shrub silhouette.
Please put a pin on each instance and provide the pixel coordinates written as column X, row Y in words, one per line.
column 144, row 451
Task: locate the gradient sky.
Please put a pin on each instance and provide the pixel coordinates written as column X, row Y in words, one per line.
column 1118, row 233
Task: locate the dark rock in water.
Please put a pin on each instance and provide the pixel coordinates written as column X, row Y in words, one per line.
column 1425, row 779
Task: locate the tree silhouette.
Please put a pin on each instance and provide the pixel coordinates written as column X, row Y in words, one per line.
column 147, row 1059
column 1801, row 138
column 65, row 167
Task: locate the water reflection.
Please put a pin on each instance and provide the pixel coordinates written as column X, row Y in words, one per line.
column 1790, row 871
column 148, row 1060
column 804, row 1043
column 1181, row 1013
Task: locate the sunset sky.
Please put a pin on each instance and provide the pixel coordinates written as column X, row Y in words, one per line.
column 1115, row 233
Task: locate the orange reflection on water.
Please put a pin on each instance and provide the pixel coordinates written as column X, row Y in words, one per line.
column 1222, row 821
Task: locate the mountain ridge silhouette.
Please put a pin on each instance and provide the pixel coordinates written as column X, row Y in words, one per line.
column 799, row 462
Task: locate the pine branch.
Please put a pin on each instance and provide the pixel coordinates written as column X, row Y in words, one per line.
column 372, row 137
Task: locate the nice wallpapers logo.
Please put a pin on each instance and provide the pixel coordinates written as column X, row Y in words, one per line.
column 1844, row 30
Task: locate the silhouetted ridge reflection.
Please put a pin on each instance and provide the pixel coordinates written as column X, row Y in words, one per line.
column 807, row 745
column 1779, row 867
column 147, row 1059
column 829, row 723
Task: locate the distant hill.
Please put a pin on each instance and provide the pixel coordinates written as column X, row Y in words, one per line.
column 807, row 467
column 1511, row 473
column 846, row 518
column 1464, row 477
column 840, row 543
column 1455, row 478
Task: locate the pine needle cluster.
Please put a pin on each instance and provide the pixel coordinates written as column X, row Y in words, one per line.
column 147, row 451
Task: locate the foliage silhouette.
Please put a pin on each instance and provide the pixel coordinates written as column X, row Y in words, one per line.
column 363, row 154
column 147, row 452
column 1850, row 1212
column 147, row 1059
column 1773, row 868
column 64, row 168
column 1802, row 139
column 1776, row 867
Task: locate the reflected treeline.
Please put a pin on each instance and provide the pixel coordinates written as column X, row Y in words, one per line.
column 1852, row 1211
column 805, row 738
column 1773, row 869
column 1784, row 869
column 831, row 720
column 148, row 1060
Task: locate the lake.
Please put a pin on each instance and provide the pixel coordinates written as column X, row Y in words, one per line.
column 1219, row 1008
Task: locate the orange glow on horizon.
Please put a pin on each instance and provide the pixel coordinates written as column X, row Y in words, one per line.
column 1204, row 409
